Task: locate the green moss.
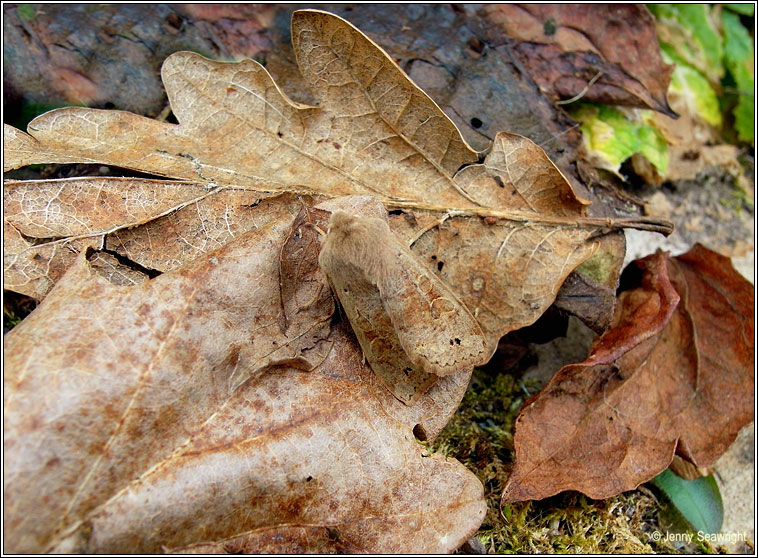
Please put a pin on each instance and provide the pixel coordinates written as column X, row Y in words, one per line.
column 480, row 435
column 599, row 266
column 10, row 320
column 26, row 12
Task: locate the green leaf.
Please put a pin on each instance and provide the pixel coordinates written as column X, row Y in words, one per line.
column 694, row 88
column 612, row 137
column 743, row 9
column 698, row 501
column 740, row 59
column 690, row 31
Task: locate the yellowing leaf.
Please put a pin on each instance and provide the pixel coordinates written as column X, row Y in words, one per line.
column 611, row 138
column 694, row 89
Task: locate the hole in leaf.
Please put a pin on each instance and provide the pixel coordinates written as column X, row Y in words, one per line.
column 419, row 433
column 476, row 44
column 476, row 123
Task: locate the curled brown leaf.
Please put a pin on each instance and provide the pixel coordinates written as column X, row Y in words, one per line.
column 674, row 373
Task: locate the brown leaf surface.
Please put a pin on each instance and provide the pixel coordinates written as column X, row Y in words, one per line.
column 674, row 373
column 48, row 222
column 590, row 292
column 120, row 414
column 504, row 234
column 718, row 304
column 410, row 325
column 565, row 46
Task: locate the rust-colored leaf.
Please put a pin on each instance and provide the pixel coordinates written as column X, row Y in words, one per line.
column 122, row 416
column 674, row 373
column 718, row 304
column 606, row 53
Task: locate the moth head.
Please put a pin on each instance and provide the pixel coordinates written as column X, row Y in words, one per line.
column 342, row 223
column 365, row 243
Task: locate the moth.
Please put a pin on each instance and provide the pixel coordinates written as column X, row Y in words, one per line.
column 411, row 326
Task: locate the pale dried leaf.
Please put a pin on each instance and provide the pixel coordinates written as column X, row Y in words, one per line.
column 49, row 221
column 20, row 149
column 374, row 133
column 114, row 271
column 32, row 269
column 120, row 408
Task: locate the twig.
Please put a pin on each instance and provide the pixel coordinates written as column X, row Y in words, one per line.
column 583, row 92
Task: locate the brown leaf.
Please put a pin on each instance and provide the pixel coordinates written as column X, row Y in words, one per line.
column 32, row 269
column 302, row 284
column 513, row 218
column 410, row 325
column 121, row 415
column 718, row 304
column 20, row 149
column 670, row 375
column 603, row 53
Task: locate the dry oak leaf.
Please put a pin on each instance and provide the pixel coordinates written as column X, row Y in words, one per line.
column 120, row 415
column 673, row 374
column 603, row 53
column 504, row 233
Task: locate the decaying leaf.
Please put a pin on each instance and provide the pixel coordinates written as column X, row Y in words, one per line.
column 503, row 234
column 606, row 53
column 674, row 373
column 611, row 137
column 48, row 222
column 121, row 415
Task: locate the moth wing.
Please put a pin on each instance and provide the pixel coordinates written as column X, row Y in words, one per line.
column 362, row 303
column 435, row 329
